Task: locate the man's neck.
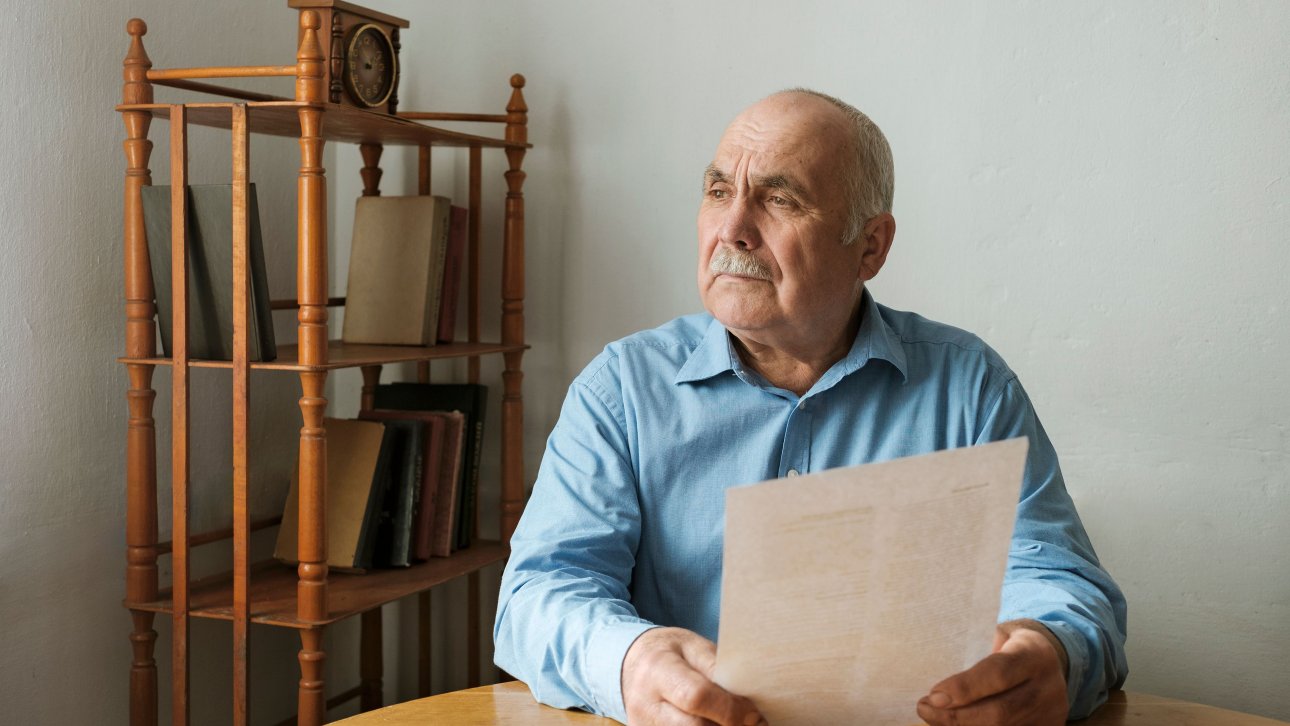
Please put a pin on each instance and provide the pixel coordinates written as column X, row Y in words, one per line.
column 796, row 366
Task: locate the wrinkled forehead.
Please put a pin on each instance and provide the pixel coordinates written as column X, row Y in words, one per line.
column 784, row 133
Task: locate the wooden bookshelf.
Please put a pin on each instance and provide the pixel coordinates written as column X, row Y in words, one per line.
column 310, row 596
column 351, row 355
column 273, row 588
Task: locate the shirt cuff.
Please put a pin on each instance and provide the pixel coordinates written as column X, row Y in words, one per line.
column 1076, row 665
column 607, row 648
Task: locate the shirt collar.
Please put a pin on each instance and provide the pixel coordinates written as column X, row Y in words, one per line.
column 716, row 354
column 875, row 339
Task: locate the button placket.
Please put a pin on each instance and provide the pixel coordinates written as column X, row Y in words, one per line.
column 797, row 441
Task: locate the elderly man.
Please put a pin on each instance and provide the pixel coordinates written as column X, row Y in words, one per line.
column 610, row 599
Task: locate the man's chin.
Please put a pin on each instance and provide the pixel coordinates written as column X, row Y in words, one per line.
column 737, row 318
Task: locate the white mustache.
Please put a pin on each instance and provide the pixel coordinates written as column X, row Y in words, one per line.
column 737, row 262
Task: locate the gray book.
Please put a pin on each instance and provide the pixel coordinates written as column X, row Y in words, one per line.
column 396, row 265
column 210, row 272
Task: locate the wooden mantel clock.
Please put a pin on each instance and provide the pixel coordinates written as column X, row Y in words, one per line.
column 361, row 61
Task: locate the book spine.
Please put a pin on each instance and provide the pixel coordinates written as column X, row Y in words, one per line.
column 365, row 552
column 430, row 331
column 472, row 487
column 432, row 467
column 457, row 231
column 414, row 513
column 450, row 482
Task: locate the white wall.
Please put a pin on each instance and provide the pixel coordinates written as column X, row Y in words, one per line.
column 1097, row 189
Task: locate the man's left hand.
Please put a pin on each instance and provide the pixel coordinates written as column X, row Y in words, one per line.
column 1022, row 682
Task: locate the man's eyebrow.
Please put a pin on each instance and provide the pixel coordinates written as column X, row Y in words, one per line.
column 713, row 175
column 779, row 181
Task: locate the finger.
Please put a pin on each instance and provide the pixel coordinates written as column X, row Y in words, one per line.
column 665, row 714
column 694, row 694
column 1023, row 706
column 998, row 710
column 935, row 716
column 995, row 674
column 1000, row 637
column 701, row 654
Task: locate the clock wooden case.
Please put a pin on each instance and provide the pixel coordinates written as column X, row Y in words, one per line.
column 360, row 54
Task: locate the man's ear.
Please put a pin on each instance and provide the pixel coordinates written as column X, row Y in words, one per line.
column 875, row 239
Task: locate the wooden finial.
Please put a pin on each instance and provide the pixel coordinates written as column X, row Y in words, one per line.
column 517, row 116
column 135, row 68
column 516, row 104
column 309, row 57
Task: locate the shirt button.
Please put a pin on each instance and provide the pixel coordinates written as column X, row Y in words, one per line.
column 793, row 472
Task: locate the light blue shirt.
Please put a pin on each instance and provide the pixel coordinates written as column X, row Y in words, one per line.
column 624, row 527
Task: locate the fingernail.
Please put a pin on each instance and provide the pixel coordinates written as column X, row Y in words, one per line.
column 938, row 699
column 751, row 719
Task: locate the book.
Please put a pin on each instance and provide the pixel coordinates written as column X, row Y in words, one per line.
column 469, row 398
column 209, row 235
column 444, row 535
column 446, row 454
column 396, row 266
column 423, row 532
column 398, row 511
column 358, row 460
column 458, row 226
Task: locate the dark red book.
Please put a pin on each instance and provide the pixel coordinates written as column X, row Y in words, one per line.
column 458, row 221
column 431, row 473
column 443, row 538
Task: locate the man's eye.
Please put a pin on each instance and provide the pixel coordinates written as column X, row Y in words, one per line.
column 717, row 193
column 779, row 201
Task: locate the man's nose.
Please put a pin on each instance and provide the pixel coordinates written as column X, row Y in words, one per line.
column 739, row 224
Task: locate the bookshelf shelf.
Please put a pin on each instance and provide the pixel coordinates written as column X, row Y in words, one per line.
column 311, row 596
column 273, row 588
column 340, row 123
column 350, row 355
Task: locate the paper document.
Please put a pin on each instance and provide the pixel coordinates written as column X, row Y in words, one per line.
column 847, row 594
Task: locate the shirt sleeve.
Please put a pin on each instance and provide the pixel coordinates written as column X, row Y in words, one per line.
column 1053, row 574
column 564, row 616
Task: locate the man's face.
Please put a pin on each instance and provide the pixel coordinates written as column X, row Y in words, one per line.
column 773, row 215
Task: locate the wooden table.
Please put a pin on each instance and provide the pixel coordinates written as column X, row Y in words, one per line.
column 510, row 703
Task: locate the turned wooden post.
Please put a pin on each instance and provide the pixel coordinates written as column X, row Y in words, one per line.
column 311, row 292
column 371, row 379
column 141, row 431
column 513, row 314
column 371, row 171
column 423, row 169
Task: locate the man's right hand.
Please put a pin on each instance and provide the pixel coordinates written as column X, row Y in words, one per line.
column 667, row 680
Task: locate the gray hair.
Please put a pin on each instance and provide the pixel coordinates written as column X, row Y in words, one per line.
column 871, row 176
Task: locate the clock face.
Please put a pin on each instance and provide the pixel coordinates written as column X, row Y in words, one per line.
column 371, row 68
